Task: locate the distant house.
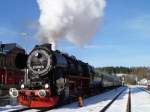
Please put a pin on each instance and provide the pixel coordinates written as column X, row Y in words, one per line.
column 143, row 81
column 9, row 73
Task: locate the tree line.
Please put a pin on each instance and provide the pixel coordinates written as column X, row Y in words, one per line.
column 140, row 72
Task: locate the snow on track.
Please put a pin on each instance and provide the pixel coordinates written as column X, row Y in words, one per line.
column 140, row 100
column 120, row 104
column 92, row 104
column 18, row 108
column 31, row 110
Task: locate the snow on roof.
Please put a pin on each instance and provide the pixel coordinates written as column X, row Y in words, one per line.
column 121, row 74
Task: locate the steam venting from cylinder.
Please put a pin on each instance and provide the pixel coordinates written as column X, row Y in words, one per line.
column 76, row 20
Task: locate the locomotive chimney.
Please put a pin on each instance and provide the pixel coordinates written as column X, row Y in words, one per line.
column 50, row 46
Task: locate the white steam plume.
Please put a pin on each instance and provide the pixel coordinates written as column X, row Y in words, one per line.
column 76, row 20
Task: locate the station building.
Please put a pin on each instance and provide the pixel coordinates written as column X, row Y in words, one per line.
column 9, row 74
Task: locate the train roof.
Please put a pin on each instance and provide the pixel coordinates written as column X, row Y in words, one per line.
column 104, row 74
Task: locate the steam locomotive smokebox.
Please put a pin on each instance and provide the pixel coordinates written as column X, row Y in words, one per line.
column 39, row 61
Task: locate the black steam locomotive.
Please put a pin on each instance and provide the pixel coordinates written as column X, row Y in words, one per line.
column 57, row 77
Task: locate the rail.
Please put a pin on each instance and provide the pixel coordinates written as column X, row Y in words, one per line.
column 37, row 109
column 129, row 102
column 144, row 90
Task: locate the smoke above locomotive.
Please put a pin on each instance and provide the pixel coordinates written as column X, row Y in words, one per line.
column 75, row 20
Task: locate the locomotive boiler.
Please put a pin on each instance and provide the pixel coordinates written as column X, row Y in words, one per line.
column 56, row 78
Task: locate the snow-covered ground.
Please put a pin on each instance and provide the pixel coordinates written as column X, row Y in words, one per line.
column 8, row 108
column 140, row 100
column 92, row 104
column 31, row 110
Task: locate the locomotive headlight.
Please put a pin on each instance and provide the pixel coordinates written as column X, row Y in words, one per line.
column 13, row 92
column 36, row 54
column 46, row 86
column 42, row 93
column 22, row 86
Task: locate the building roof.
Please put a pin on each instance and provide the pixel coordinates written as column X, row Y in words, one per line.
column 6, row 48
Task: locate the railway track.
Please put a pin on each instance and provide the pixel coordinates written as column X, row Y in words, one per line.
column 125, row 94
column 102, row 110
column 128, row 104
column 32, row 110
column 144, row 90
column 20, row 110
column 111, row 102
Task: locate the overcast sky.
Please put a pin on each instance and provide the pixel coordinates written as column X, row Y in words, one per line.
column 122, row 40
